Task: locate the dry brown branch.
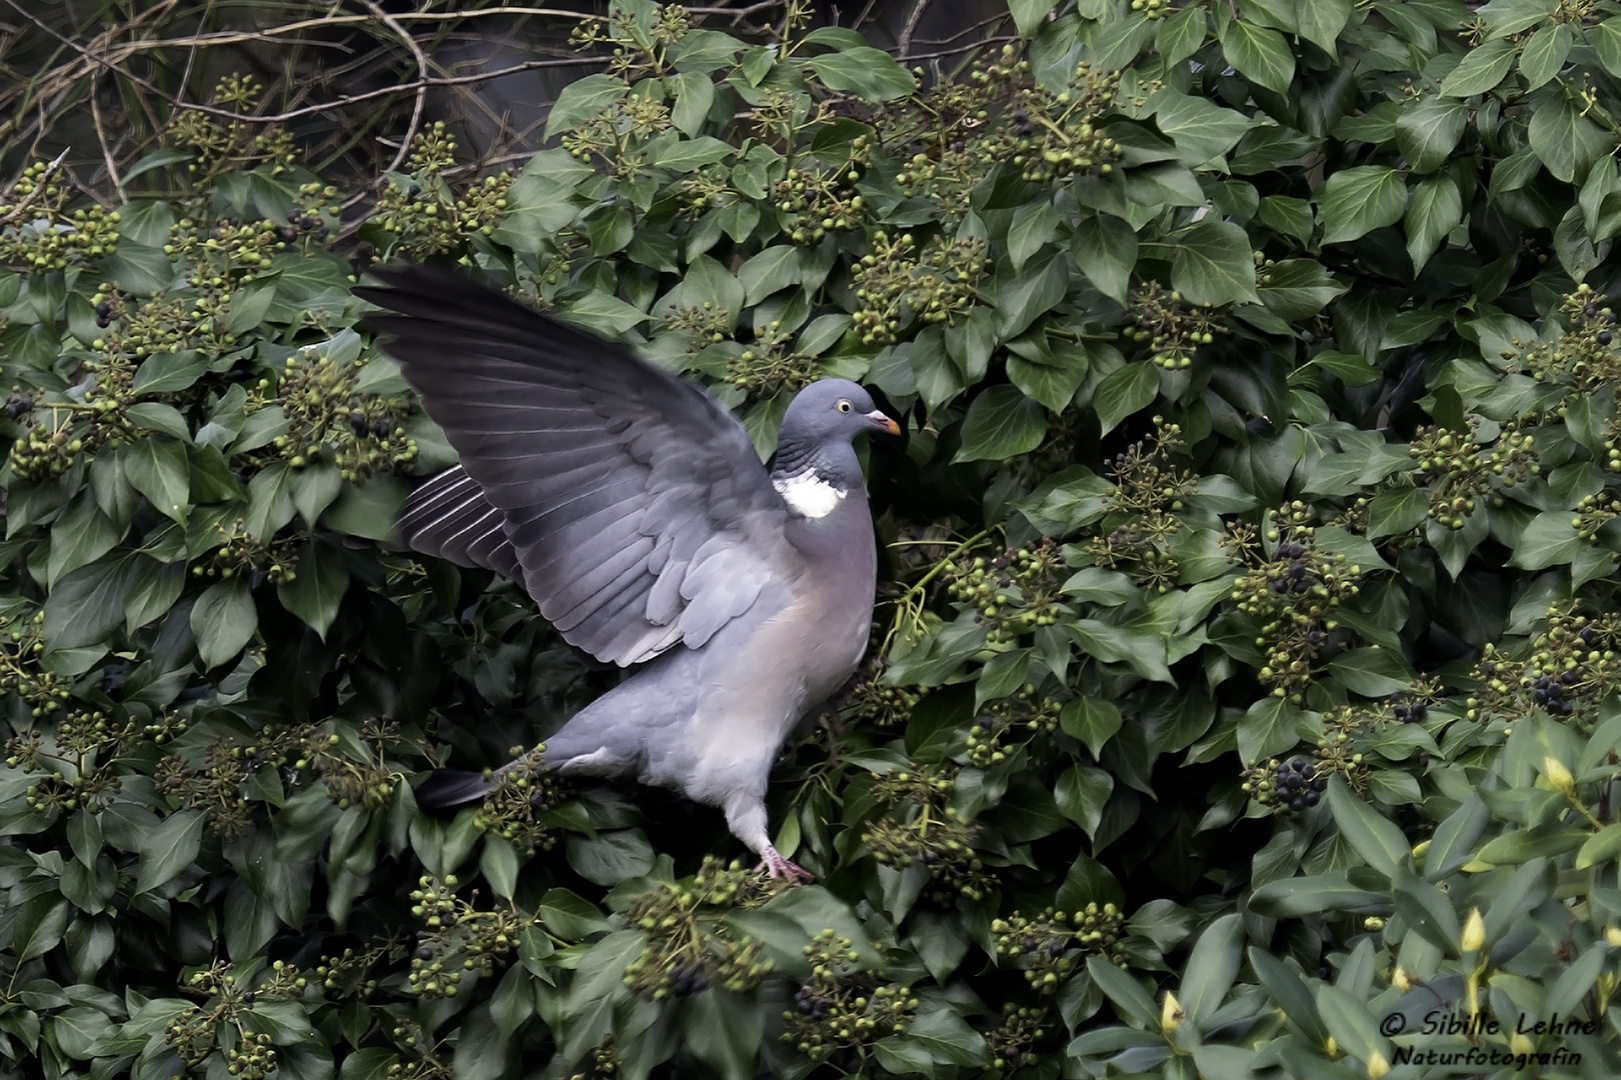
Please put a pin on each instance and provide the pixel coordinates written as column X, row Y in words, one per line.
column 904, row 46
column 421, row 58
column 101, row 140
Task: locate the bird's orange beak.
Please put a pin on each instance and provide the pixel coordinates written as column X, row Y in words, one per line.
column 884, row 423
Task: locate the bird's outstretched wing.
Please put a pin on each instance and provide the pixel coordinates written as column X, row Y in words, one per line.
column 628, row 502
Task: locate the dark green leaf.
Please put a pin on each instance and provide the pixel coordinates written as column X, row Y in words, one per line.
column 1481, row 69
column 1356, row 201
column 1213, row 264
column 169, row 849
column 868, row 73
column 1001, row 423
column 223, row 621
column 1125, row 391
column 1260, row 54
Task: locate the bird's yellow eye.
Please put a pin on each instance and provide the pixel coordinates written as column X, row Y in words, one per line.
column 844, row 405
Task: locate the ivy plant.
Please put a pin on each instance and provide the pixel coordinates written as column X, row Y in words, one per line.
column 1243, row 697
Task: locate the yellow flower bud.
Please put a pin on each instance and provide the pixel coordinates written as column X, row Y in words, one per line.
column 1559, row 776
column 1474, row 932
column 1171, row 1014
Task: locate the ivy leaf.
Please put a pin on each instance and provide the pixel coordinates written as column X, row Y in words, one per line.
column 1565, row 140
column 686, row 155
column 1376, row 838
column 1051, row 375
column 88, row 604
column 1435, row 210
column 156, row 466
column 1034, row 225
column 1092, row 721
column 1428, row 132
column 1371, row 672
column 223, row 621
column 1606, row 41
column 1321, row 22
column 318, row 585
column 694, row 93
column 1125, row 391
column 1397, row 511
column 169, row 849
column 1260, row 54
column 1550, row 540
column 1545, row 54
column 1481, row 69
column 1356, row 201
column 1001, row 423
column 1028, row 14
column 1081, row 793
column 37, row 926
column 1297, row 289
column 1213, row 264
column 1181, row 35
column 1105, row 248
column 583, row 99
column 870, row 74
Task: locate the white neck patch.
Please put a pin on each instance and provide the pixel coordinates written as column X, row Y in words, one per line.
column 808, row 495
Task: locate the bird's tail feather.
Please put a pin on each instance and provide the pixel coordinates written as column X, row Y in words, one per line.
column 452, row 787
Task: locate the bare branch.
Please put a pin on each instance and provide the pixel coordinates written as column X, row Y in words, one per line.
column 905, row 43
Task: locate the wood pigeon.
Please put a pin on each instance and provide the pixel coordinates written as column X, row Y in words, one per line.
column 632, row 506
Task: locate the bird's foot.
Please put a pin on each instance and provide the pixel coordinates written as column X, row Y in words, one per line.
column 774, row 864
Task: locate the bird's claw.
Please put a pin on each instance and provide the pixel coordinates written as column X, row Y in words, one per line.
column 775, row 865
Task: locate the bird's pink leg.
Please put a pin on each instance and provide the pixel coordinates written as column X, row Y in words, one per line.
column 774, row 864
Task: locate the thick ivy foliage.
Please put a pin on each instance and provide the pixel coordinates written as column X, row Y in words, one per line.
column 1245, row 673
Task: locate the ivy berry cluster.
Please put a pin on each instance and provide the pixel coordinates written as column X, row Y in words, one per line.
column 1291, row 785
column 512, row 808
column 687, row 948
column 1292, row 598
column 198, row 1032
column 1013, row 1042
column 1171, row 327
column 870, row 699
column 328, row 417
column 219, row 784
column 240, row 553
column 1048, row 946
column 1461, row 470
column 423, row 214
column 814, row 202
column 919, row 828
column 1055, row 135
column 1014, row 593
column 1023, row 712
column 895, row 284
column 47, row 236
column 457, row 937
column 839, row 1010
column 1585, row 356
column 770, row 365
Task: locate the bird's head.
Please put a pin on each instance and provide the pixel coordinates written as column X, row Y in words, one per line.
column 831, row 409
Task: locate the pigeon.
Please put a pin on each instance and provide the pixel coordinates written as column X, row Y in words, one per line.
column 634, row 510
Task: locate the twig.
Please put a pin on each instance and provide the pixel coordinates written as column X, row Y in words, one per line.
column 38, row 193
column 101, row 137
column 905, row 43
column 422, row 73
column 737, row 15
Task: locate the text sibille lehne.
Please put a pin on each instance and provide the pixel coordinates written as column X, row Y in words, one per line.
column 1439, row 1022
